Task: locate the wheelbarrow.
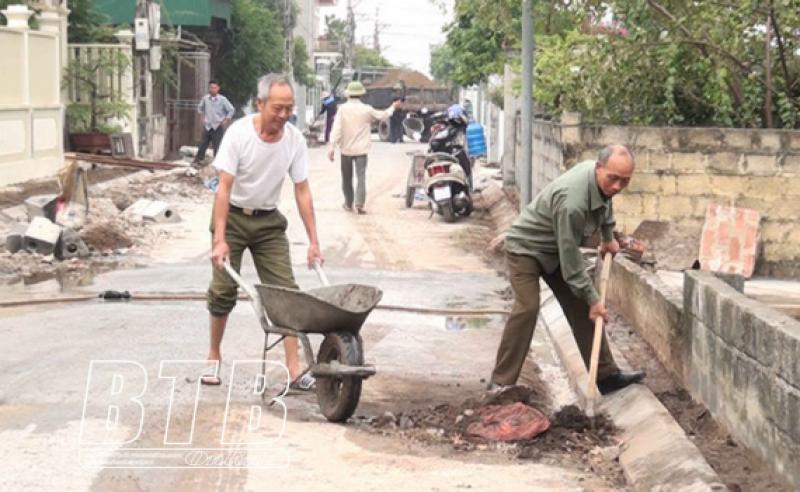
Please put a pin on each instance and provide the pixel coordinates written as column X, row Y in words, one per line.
column 336, row 312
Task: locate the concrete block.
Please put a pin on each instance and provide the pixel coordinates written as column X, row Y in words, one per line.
column 154, row 210
column 669, row 185
column 659, row 161
column 792, row 411
column 694, row 184
column 650, row 205
column 787, row 343
column 785, row 457
column 774, row 231
column 70, row 245
column 647, row 138
column 792, row 140
column 709, row 316
column 791, row 164
column 725, row 162
column 761, row 165
column 628, row 203
column 770, row 141
column 728, row 186
column 742, row 373
column 783, row 209
column 645, row 183
column 675, row 207
column 699, row 342
column 41, row 236
column 41, row 206
column 706, row 137
column 688, row 161
column 15, row 240
column 733, row 279
column 740, row 139
column 691, row 294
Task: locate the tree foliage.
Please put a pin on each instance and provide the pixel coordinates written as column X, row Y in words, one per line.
column 303, row 74
column 253, row 48
column 645, row 61
column 368, row 57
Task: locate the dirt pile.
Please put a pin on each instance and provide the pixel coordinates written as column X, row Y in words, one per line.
column 571, row 431
column 412, row 79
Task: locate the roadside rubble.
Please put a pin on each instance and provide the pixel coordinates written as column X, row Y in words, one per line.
column 571, row 435
column 82, row 231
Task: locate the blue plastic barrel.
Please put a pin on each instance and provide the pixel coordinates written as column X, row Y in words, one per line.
column 476, row 142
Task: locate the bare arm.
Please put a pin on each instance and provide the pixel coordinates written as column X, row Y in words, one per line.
column 305, row 205
column 220, row 250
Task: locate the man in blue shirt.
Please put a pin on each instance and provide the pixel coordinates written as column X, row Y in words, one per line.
column 217, row 112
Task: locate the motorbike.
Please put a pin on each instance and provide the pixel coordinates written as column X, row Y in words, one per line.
column 448, row 173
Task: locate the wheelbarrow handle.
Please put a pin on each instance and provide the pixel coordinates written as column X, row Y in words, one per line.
column 249, row 290
column 321, row 274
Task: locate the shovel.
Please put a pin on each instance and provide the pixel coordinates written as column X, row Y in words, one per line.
column 591, row 391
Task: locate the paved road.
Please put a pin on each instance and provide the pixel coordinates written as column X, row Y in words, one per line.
column 414, row 259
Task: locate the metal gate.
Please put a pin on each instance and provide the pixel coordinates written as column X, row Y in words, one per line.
column 193, row 74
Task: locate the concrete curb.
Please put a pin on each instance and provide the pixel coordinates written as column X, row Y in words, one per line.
column 657, row 455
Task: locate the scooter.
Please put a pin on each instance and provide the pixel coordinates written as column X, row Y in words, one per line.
column 448, row 170
column 447, row 186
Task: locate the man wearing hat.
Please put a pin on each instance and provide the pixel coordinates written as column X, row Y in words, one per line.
column 352, row 133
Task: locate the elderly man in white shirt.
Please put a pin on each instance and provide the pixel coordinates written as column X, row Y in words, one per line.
column 258, row 152
column 352, row 134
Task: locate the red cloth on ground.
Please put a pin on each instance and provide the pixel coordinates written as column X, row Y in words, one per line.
column 513, row 422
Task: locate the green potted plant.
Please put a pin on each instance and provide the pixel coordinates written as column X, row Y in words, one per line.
column 98, row 108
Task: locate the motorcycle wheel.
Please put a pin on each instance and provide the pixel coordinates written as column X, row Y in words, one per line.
column 468, row 208
column 383, row 131
column 410, row 191
column 447, row 212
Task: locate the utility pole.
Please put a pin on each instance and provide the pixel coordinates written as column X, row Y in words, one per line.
column 144, row 79
column 351, row 36
column 527, row 103
column 288, row 39
column 376, row 36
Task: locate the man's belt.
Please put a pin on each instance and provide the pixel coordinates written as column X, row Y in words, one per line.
column 255, row 212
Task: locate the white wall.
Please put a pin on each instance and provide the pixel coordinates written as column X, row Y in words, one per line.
column 31, row 109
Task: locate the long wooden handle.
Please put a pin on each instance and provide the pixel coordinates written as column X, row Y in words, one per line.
column 598, row 331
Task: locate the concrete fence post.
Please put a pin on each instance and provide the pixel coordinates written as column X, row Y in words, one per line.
column 571, row 128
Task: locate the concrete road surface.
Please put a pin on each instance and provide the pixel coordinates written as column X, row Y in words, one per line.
column 56, row 404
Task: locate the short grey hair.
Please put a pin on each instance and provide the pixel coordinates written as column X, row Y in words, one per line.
column 266, row 83
column 614, row 149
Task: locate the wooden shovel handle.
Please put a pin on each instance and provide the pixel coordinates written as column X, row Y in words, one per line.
column 598, row 330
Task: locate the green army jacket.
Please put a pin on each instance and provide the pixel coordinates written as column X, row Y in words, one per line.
column 555, row 224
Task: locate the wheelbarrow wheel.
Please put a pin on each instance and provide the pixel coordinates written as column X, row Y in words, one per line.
column 338, row 396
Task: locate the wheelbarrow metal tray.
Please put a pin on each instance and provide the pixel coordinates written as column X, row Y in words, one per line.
column 323, row 310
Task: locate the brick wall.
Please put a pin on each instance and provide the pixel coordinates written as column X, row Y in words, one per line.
column 744, row 366
column 681, row 170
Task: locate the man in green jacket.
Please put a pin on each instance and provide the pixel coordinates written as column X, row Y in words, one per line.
column 545, row 243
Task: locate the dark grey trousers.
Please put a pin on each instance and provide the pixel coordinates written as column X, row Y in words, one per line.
column 360, row 162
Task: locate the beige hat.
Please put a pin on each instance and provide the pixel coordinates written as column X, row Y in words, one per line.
column 355, row 89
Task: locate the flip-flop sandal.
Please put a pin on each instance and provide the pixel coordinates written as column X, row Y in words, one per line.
column 210, row 377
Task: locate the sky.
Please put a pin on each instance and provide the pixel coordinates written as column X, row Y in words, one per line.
column 409, row 27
